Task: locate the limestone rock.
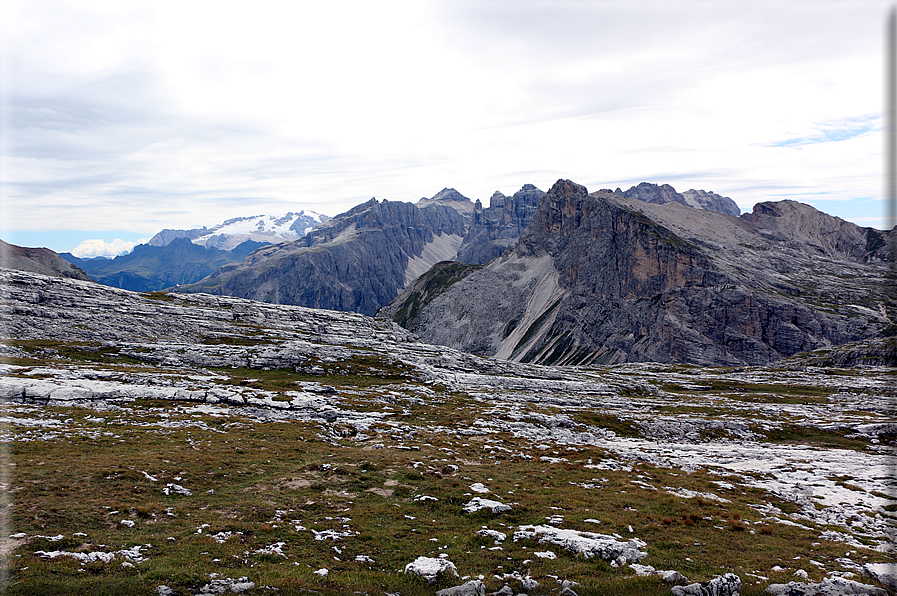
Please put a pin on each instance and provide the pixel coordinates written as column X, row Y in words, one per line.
column 833, row 586
column 479, row 504
column 722, row 585
column 886, row 573
column 601, row 278
column 587, row 544
column 429, row 568
column 472, row 588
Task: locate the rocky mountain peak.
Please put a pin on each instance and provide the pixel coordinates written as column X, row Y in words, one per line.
column 494, row 229
column 699, row 199
column 497, row 199
column 451, row 198
column 603, row 278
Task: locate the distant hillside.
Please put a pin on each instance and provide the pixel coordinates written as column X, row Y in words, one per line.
column 603, row 278
column 357, row 261
column 38, row 260
column 660, row 194
column 150, row 268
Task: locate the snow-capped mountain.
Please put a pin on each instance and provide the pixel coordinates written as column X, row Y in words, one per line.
column 233, row 232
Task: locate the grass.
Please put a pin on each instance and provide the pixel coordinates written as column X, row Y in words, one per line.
column 78, row 352
column 256, row 484
column 808, row 435
column 255, row 479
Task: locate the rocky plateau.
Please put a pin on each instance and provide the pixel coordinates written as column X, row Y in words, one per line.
column 538, row 479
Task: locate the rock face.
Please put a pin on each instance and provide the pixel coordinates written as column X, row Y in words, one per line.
column 699, row 199
column 603, row 278
column 358, row 261
column 38, row 260
column 150, row 268
column 498, row 226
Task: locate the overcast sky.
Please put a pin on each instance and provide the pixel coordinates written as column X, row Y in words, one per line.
column 123, row 118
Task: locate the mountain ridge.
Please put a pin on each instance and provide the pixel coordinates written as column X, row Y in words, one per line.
column 602, row 278
column 226, row 236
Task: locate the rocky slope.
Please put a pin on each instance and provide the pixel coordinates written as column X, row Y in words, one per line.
column 358, row 261
column 38, row 260
column 699, row 199
column 607, row 278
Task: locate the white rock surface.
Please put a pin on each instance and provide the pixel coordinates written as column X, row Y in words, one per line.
column 472, row 588
column 722, row 585
column 479, row 504
column 429, row 568
column 587, row 544
column 832, row 586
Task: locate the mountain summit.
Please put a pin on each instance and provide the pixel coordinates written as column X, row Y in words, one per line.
column 258, row 228
column 699, row 199
column 604, row 278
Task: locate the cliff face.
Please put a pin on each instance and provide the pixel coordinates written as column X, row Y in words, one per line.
column 358, row 261
column 498, row 226
column 600, row 278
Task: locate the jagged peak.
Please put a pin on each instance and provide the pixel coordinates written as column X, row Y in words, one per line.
column 449, row 194
column 450, row 198
column 566, row 188
column 660, row 194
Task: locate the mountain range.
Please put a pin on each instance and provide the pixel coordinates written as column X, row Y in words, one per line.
column 564, row 277
column 605, row 278
column 265, row 229
column 176, row 257
column 148, row 268
column 360, row 260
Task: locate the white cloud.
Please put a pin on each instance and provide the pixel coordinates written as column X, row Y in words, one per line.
column 100, row 248
column 167, row 114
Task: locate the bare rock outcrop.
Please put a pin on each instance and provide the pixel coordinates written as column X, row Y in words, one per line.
column 497, row 227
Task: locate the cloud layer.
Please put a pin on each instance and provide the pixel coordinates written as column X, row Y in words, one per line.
column 100, row 248
column 146, row 115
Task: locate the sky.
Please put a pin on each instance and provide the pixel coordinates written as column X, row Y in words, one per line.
column 120, row 119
